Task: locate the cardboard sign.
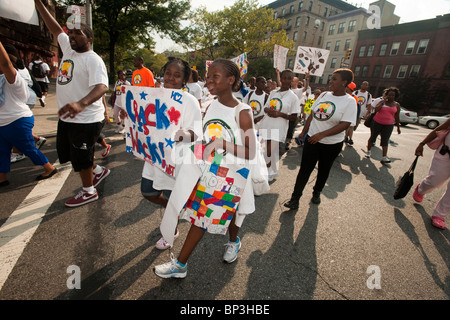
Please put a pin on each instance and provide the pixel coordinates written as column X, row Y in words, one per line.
column 311, row 60
column 153, row 119
column 242, row 63
column 279, row 57
column 19, row 10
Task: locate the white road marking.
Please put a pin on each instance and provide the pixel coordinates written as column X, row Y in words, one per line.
column 17, row 231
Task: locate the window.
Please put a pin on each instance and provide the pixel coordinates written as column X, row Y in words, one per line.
column 383, row 49
column 376, row 71
column 297, row 22
column 423, row 44
column 275, row 15
column 295, row 36
column 351, row 26
column 410, row 47
column 310, row 5
column 307, row 21
column 414, row 72
column 341, row 27
column 319, row 41
column 305, row 34
column 394, row 48
column 323, row 26
column 328, row 46
column 362, row 51
column 300, row 6
column 365, row 71
column 357, row 70
column 289, row 22
column 333, row 63
column 325, row 12
column 347, row 44
column 283, row 12
column 337, row 45
column 370, row 50
column 388, row 71
column 291, row 9
column 402, row 71
column 331, row 29
column 291, row 64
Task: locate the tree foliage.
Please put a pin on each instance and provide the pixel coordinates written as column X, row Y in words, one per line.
column 121, row 26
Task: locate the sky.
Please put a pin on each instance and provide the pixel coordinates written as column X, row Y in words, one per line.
column 407, row 10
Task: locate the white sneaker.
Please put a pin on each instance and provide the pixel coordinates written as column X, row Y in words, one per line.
column 15, row 157
column 385, row 160
column 40, row 142
column 231, row 251
column 162, row 244
column 171, row 269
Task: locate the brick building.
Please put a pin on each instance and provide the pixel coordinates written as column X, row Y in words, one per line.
column 414, row 57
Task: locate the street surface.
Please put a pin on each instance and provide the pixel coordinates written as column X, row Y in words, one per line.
column 358, row 244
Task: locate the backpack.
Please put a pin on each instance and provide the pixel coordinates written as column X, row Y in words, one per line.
column 36, row 70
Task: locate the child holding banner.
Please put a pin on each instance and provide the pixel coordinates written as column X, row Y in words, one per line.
column 229, row 131
column 282, row 106
column 156, row 185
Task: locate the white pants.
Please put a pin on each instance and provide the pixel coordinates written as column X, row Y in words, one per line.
column 438, row 176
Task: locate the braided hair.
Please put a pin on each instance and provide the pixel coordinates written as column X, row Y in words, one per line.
column 232, row 70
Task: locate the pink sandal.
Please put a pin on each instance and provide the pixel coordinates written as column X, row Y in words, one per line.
column 438, row 222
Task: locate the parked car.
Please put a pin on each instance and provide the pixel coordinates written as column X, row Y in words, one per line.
column 407, row 116
column 433, row 121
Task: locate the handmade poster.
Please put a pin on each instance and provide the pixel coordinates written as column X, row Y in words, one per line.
column 242, row 63
column 279, row 57
column 208, row 63
column 153, row 118
column 311, row 60
column 207, row 193
column 19, row 10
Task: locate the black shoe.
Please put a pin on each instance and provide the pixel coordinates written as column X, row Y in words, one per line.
column 315, row 198
column 4, row 183
column 292, row 204
column 51, row 174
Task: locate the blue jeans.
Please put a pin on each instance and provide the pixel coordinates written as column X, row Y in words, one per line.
column 19, row 134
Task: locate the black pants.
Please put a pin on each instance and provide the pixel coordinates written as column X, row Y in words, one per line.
column 324, row 155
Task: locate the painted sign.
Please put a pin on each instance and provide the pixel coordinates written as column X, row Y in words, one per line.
column 279, row 57
column 311, row 60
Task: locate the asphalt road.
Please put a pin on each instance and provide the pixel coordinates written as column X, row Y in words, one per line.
column 358, row 244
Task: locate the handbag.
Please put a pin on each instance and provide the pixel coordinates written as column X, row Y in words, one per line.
column 436, row 143
column 258, row 169
column 406, row 182
column 368, row 122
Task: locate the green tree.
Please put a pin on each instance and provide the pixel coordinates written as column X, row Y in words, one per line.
column 120, row 25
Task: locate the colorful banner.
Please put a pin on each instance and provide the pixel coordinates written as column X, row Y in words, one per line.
column 19, row 10
column 242, row 63
column 151, row 124
column 311, row 60
column 206, row 192
column 279, row 57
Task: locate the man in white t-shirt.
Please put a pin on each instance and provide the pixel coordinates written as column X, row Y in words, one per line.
column 40, row 71
column 81, row 83
column 256, row 99
column 364, row 101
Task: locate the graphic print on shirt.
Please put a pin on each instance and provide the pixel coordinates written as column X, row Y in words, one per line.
column 219, row 129
column 361, row 100
column 65, row 73
column 324, row 111
column 256, row 107
column 276, row 104
column 137, row 79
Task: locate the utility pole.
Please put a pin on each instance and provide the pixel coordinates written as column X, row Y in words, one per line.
column 89, row 17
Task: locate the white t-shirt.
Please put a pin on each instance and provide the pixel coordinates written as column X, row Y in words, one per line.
column 191, row 120
column 16, row 96
column 194, row 89
column 77, row 76
column 276, row 128
column 328, row 111
column 364, row 99
column 32, row 97
column 118, row 90
column 44, row 68
column 256, row 102
column 238, row 95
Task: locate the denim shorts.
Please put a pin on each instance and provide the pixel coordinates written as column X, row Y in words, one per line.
column 147, row 189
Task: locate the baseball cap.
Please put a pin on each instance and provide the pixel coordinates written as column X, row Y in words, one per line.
column 352, row 86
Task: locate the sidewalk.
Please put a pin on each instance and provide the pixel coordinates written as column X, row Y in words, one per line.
column 46, row 118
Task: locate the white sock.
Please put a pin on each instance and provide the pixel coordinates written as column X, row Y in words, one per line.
column 98, row 169
column 90, row 189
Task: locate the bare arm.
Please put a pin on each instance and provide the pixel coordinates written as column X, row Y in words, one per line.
column 49, row 20
column 431, row 136
column 6, row 66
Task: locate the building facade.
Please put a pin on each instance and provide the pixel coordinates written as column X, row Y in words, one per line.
column 414, row 57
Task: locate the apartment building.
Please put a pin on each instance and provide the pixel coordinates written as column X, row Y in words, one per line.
column 406, row 55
